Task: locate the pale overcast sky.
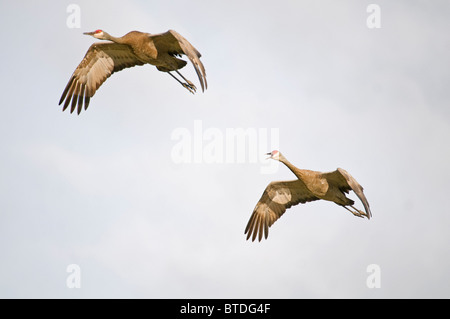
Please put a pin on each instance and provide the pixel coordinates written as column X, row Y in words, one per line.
column 103, row 191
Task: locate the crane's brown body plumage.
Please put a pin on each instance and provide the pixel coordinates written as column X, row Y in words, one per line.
column 135, row 48
column 310, row 186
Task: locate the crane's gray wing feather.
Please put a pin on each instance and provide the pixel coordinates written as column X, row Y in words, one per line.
column 342, row 179
column 277, row 197
column 101, row 60
column 174, row 43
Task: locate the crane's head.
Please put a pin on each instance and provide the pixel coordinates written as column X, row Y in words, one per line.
column 274, row 155
column 98, row 34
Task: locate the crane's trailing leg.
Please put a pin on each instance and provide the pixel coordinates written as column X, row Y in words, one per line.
column 192, row 86
column 188, row 85
column 358, row 213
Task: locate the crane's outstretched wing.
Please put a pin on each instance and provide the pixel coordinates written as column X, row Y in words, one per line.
column 101, row 60
column 174, row 43
column 277, row 197
column 342, row 179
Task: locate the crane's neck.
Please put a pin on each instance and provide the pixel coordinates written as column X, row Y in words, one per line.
column 297, row 172
column 107, row 36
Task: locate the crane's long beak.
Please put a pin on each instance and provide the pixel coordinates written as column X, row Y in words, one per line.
column 88, row 33
column 269, row 156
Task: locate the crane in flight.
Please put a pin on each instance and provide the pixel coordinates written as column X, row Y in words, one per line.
column 309, row 186
column 135, row 48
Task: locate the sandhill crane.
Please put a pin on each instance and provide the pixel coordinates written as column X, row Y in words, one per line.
column 135, row 48
column 310, row 186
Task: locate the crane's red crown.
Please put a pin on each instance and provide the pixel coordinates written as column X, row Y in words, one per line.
column 98, row 31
